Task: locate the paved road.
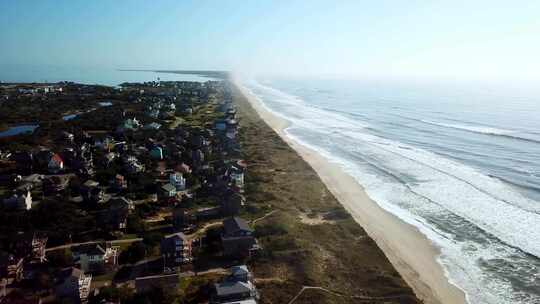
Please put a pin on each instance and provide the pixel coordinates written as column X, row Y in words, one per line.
column 66, row 246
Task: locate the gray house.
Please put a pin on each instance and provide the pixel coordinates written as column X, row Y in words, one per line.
column 238, row 287
column 176, row 249
column 74, row 284
column 237, row 238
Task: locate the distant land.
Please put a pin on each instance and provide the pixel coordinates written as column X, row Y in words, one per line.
column 207, row 73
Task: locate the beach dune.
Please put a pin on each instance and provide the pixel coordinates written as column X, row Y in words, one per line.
column 411, row 253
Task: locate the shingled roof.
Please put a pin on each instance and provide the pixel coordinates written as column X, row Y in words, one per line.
column 234, row 224
column 232, row 288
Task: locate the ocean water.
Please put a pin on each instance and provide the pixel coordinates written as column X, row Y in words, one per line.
column 460, row 162
column 86, row 75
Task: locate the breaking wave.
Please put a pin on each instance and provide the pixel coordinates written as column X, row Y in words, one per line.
column 486, row 229
column 483, row 130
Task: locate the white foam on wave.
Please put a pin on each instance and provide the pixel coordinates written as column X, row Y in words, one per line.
column 445, row 189
column 471, row 128
column 308, row 116
column 460, row 268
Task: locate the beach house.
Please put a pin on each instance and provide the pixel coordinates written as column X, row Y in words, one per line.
column 176, row 249
column 183, row 218
column 231, row 204
column 11, row 267
column 56, row 164
column 20, row 201
column 178, row 180
column 238, row 287
column 236, row 174
column 74, row 285
column 95, row 258
column 152, row 126
column 55, row 184
column 31, row 246
column 237, row 238
column 157, row 153
column 168, row 190
column 92, row 193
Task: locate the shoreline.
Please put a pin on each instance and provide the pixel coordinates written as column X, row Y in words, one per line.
column 412, row 254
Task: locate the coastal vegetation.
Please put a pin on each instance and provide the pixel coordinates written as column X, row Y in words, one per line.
column 186, row 162
column 334, row 253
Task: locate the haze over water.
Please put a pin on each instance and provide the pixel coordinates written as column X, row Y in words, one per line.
column 462, row 163
column 86, row 75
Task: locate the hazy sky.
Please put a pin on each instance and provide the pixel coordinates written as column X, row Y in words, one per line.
column 471, row 39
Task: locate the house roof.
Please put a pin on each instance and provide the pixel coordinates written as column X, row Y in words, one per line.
column 242, row 163
column 178, row 235
column 232, row 288
column 168, row 187
column 247, row 301
column 183, row 168
column 120, row 202
column 113, row 215
column 153, row 125
column 90, row 249
column 236, row 169
column 33, row 178
column 234, row 224
column 90, row 183
column 56, row 158
column 177, row 175
column 71, row 272
column 57, row 180
column 239, row 270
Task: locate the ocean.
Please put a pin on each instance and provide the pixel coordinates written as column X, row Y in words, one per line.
column 460, row 162
column 86, row 75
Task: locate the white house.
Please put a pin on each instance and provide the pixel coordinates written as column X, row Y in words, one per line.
column 237, row 175
column 21, row 202
column 178, row 180
column 74, row 284
column 25, row 201
column 95, row 258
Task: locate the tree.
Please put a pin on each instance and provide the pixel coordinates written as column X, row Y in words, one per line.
column 135, row 252
column 159, row 295
column 110, row 293
column 60, row 258
column 135, row 224
column 152, row 239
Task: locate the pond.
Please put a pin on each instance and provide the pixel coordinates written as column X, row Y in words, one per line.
column 69, row 117
column 73, row 116
column 16, row 130
column 105, row 103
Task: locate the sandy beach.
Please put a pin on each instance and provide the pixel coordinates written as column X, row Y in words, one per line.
column 410, row 252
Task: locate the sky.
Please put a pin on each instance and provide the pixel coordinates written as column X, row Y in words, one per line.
column 458, row 39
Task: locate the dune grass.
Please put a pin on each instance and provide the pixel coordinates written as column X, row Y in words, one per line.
column 336, row 254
